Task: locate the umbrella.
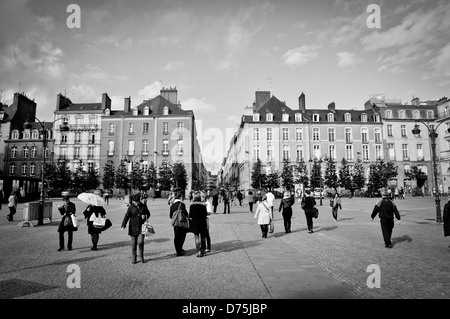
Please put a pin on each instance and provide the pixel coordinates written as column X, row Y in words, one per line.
column 215, row 191
column 91, row 199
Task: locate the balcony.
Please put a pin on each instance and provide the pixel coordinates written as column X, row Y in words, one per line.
column 180, row 153
column 165, row 153
column 77, row 142
column 144, row 153
column 405, row 158
column 420, row 158
column 130, row 152
column 83, row 127
column 110, row 153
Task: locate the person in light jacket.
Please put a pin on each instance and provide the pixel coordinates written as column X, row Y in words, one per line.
column 264, row 216
column 137, row 213
column 335, row 204
column 286, row 205
column 90, row 214
column 12, row 205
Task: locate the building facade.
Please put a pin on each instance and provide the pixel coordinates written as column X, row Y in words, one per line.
column 443, row 143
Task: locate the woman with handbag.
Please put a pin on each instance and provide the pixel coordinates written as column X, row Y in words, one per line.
column 66, row 224
column 137, row 213
column 12, row 205
column 308, row 204
column 179, row 232
column 264, row 215
column 198, row 215
column 91, row 213
column 286, row 205
column 335, row 204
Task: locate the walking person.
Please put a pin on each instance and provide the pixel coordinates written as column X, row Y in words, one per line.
column 308, row 204
column 179, row 232
column 270, row 199
column 446, row 219
column 106, row 197
column 386, row 209
column 66, row 224
column 239, row 197
column 226, row 201
column 215, row 202
column 208, row 211
column 137, row 213
column 286, row 208
column 264, row 216
column 2, row 197
column 198, row 216
column 250, row 200
column 90, row 214
column 12, row 205
column 335, row 204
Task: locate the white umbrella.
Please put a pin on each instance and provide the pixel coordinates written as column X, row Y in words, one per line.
column 91, row 199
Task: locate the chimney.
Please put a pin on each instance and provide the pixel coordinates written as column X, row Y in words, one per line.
column 332, row 107
column 261, row 97
column 62, row 101
column 127, row 104
column 301, row 103
column 106, row 101
column 170, row 94
column 415, row 101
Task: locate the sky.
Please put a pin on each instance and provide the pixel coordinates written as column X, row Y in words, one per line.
column 217, row 53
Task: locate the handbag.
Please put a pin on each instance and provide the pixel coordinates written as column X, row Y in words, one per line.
column 99, row 222
column 147, row 229
column 315, row 212
column 271, row 227
column 75, row 222
column 67, row 221
column 179, row 220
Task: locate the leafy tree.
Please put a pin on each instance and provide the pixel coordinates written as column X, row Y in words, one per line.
column 415, row 173
column 136, row 176
column 58, row 177
column 316, row 174
column 165, row 176
column 331, row 178
column 180, row 178
column 152, row 175
column 258, row 179
column 272, row 180
column 92, row 179
column 302, row 171
column 109, row 176
column 381, row 172
column 287, row 180
column 121, row 176
column 358, row 174
column 345, row 179
column 79, row 177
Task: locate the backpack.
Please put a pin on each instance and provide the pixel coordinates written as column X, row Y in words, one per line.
column 179, row 220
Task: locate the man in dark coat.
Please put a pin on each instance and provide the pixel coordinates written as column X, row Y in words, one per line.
column 66, row 224
column 386, row 209
column 226, row 201
column 446, row 219
column 215, row 202
column 179, row 232
column 137, row 213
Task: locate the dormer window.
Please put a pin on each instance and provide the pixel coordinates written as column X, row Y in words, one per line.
column 388, row 114
column 330, row 117
column 298, row 117
column 269, row 117
column 146, row 110
column 15, row 135
column 316, row 118
column 416, row 114
column 107, row 112
column 402, row 114
column 285, row 117
column 166, row 110
column 347, row 117
column 364, row 117
column 255, row 117
column 134, row 111
column 376, row 118
column 430, row 115
column 26, row 134
column 35, row 135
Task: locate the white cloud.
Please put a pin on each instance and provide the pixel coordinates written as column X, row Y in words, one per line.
column 173, row 66
column 234, row 119
column 150, row 91
column 300, row 56
column 197, row 105
column 440, row 64
column 346, row 59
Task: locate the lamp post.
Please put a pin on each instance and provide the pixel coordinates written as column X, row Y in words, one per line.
column 131, row 159
column 63, row 128
column 433, row 135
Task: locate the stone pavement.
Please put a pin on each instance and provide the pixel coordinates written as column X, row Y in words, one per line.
column 329, row 264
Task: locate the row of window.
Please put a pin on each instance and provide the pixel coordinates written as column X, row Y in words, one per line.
column 27, row 152
column 145, row 147
column 402, row 114
column 315, row 117
column 146, row 128
column 27, row 134
column 77, row 152
column 405, row 152
column 316, row 134
column 349, row 152
column 77, row 139
column 25, row 170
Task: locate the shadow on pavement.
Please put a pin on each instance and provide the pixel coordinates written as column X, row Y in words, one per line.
column 398, row 240
column 325, row 229
column 344, row 219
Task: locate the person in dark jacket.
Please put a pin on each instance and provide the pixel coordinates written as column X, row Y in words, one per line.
column 137, row 213
column 90, row 214
column 226, row 201
column 335, row 204
column 308, row 204
column 215, row 202
column 66, row 224
column 179, row 232
column 446, row 219
column 286, row 205
column 386, row 209
column 198, row 215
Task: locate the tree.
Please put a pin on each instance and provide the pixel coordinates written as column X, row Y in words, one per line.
column 331, row 178
column 345, row 179
column 272, row 179
column 109, row 176
column 79, row 178
column 180, row 178
column 165, row 176
column 121, row 176
column 381, row 172
column 316, row 174
column 58, row 177
column 152, row 175
column 302, row 171
column 92, row 179
column 258, row 179
column 415, row 173
column 358, row 179
column 287, row 180
column 137, row 176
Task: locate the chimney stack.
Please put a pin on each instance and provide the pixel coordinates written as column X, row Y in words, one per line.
column 106, row 101
column 127, row 104
column 332, row 107
column 170, row 94
column 301, row 103
column 261, row 97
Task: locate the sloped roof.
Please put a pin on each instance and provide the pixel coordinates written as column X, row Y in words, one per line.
column 82, row 107
column 156, row 107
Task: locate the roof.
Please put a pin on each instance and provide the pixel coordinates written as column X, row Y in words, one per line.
column 82, row 107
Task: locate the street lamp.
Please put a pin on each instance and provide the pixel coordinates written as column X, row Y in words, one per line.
column 433, row 135
column 131, row 159
column 63, row 128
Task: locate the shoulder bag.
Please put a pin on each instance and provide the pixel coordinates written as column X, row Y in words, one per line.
column 147, row 229
column 179, row 220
